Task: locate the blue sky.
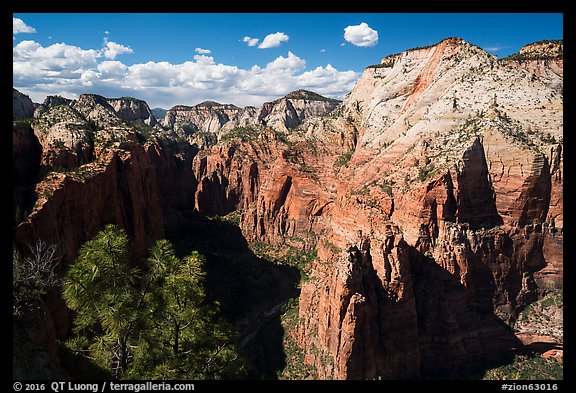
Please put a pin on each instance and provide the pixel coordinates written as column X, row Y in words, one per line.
column 245, row 59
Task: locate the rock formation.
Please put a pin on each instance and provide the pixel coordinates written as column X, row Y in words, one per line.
column 49, row 102
column 64, row 135
column 290, row 111
column 433, row 195
column 549, row 49
column 79, row 167
column 97, row 109
column 131, row 109
column 433, row 208
column 205, row 117
column 208, row 122
column 22, row 106
column 542, row 322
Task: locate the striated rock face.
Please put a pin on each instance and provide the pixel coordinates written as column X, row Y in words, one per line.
column 247, row 117
column 290, row 111
column 433, row 195
column 72, row 207
column 97, row 109
column 206, row 123
column 77, row 172
column 475, row 198
column 65, row 137
column 471, row 186
column 127, row 109
column 130, row 109
column 366, row 312
column 76, row 149
column 204, row 117
column 436, row 212
column 22, row 106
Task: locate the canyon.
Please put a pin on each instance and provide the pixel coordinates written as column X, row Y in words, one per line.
column 431, row 197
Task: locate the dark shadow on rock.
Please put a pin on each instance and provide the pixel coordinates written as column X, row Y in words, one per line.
column 26, row 154
column 250, row 290
column 460, row 335
column 539, row 347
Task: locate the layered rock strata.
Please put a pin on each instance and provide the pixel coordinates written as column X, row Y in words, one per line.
column 433, row 195
column 435, row 226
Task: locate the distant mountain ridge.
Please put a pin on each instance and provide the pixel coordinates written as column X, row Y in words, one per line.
column 159, row 113
column 308, row 95
column 423, row 213
column 204, row 123
column 216, row 119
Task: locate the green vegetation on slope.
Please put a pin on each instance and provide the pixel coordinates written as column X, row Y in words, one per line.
column 309, row 95
column 245, row 134
column 527, row 368
column 384, row 64
column 127, row 99
column 287, row 255
column 295, row 368
column 540, row 312
column 344, row 159
column 212, row 104
column 555, row 48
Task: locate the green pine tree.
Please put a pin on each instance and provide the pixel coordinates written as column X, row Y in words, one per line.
column 149, row 324
column 100, row 288
column 184, row 337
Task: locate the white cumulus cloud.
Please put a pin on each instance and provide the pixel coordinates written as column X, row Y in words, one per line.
column 112, row 69
column 32, row 61
column 67, row 70
column 203, row 51
column 203, row 59
column 291, row 63
column 113, row 49
column 361, row 35
column 251, row 41
column 273, row 40
column 19, row 26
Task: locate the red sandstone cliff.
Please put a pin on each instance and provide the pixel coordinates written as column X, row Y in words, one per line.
column 433, row 196
column 71, row 180
column 437, row 212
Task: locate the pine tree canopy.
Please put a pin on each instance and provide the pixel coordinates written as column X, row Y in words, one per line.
column 146, row 323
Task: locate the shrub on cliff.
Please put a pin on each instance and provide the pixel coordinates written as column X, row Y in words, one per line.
column 33, row 276
column 526, row 367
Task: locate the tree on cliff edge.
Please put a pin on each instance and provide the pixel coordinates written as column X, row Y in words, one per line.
column 146, row 323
